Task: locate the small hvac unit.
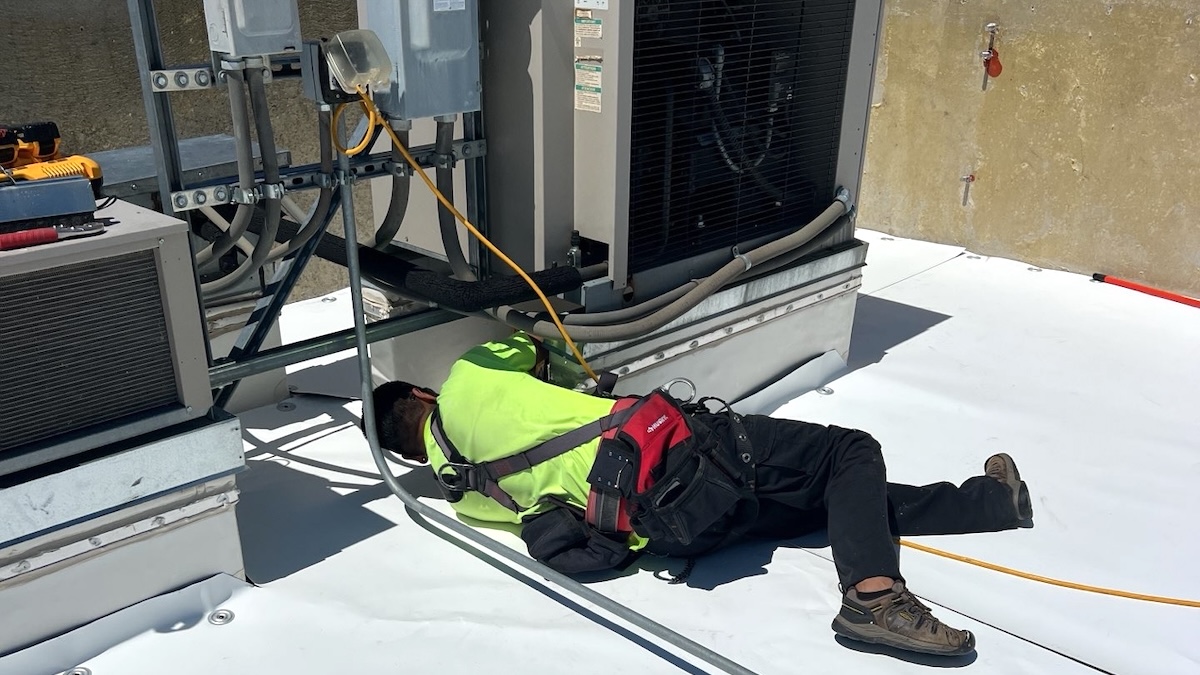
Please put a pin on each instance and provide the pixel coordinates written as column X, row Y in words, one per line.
column 671, row 130
column 100, row 340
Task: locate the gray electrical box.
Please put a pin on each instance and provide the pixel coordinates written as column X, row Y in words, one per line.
column 241, row 28
column 434, row 47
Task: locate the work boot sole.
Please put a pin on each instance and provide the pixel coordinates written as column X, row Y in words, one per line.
column 873, row 634
column 1022, row 500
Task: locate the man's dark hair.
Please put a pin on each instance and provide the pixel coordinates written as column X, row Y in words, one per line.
column 398, row 417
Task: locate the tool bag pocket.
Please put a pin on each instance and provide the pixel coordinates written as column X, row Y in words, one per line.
column 685, row 503
column 561, row 540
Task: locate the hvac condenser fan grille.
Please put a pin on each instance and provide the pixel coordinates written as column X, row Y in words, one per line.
column 737, row 109
column 80, row 345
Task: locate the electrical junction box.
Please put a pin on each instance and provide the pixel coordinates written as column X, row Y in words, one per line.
column 434, row 47
column 242, row 28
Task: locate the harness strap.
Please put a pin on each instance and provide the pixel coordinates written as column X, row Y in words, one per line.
column 465, row 476
column 554, row 447
column 484, row 477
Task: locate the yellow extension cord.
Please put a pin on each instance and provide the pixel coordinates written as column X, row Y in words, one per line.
column 1053, row 582
column 374, row 117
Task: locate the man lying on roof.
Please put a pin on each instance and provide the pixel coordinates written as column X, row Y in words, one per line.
column 594, row 480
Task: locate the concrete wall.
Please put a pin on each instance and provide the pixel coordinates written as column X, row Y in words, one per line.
column 72, row 61
column 1086, row 149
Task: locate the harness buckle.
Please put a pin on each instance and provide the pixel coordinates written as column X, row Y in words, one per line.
column 455, row 480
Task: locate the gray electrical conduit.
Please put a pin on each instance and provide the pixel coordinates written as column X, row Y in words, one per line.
column 689, row 299
column 444, row 146
column 312, row 226
column 270, row 161
column 465, row 531
column 245, row 168
column 401, row 189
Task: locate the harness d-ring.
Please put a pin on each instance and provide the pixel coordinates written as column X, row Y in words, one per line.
column 666, row 388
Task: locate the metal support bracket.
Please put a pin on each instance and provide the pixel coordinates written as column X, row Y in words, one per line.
column 188, row 78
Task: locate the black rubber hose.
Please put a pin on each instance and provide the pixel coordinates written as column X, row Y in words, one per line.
column 324, row 198
column 398, row 206
column 270, row 162
column 443, row 148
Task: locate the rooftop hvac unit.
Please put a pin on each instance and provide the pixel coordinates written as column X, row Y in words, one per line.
column 100, row 340
column 668, row 131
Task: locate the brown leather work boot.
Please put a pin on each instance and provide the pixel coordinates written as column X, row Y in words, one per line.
column 898, row 619
column 1004, row 469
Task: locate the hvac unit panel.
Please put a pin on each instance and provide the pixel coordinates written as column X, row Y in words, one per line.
column 736, row 121
column 100, row 340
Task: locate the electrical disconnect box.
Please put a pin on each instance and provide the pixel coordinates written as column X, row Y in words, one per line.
column 434, row 47
column 242, row 28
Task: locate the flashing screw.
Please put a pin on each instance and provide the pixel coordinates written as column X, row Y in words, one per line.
column 94, row 541
column 182, row 79
column 22, row 566
column 79, row 671
column 824, row 391
column 158, row 521
column 220, row 617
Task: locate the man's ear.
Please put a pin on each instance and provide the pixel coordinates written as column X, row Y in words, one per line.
column 424, row 396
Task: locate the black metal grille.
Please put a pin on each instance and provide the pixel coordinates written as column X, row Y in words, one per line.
column 80, row 345
column 737, row 108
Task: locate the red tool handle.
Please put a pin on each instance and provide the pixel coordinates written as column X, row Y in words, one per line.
column 42, row 235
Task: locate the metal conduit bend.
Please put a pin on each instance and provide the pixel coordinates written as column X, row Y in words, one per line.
column 443, row 149
column 401, row 191
column 461, row 529
column 245, row 168
column 270, row 161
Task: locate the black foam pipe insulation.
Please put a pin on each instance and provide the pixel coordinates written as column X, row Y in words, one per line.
column 406, row 279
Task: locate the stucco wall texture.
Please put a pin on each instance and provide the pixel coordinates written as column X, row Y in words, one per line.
column 1086, row 149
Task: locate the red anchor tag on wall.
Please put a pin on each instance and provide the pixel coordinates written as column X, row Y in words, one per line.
column 991, row 62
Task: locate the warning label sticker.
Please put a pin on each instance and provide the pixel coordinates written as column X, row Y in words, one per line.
column 588, row 86
column 588, row 28
column 449, row 5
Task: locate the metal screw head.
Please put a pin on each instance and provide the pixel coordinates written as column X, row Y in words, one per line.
column 286, row 406
column 221, row 194
column 94, row 541
column 182, row 79
column 199, row 197
column 992, row 27
column 181, row 201
column 1035, row 269
column 160, row 81
column 202, row 78
column 220, row 617
column 824, row 391
column 79, row 671
column 329, row 299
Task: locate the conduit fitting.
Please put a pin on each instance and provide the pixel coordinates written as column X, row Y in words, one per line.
column 843, row 196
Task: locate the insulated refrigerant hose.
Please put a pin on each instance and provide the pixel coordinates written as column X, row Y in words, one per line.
column 245, row 168
column 692, row 297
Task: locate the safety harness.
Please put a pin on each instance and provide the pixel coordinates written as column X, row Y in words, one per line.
column 636, row 437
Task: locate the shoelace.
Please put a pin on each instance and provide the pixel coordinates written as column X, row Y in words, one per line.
column 909, row 601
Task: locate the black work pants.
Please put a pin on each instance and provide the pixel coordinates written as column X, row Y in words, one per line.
column 809, row 477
